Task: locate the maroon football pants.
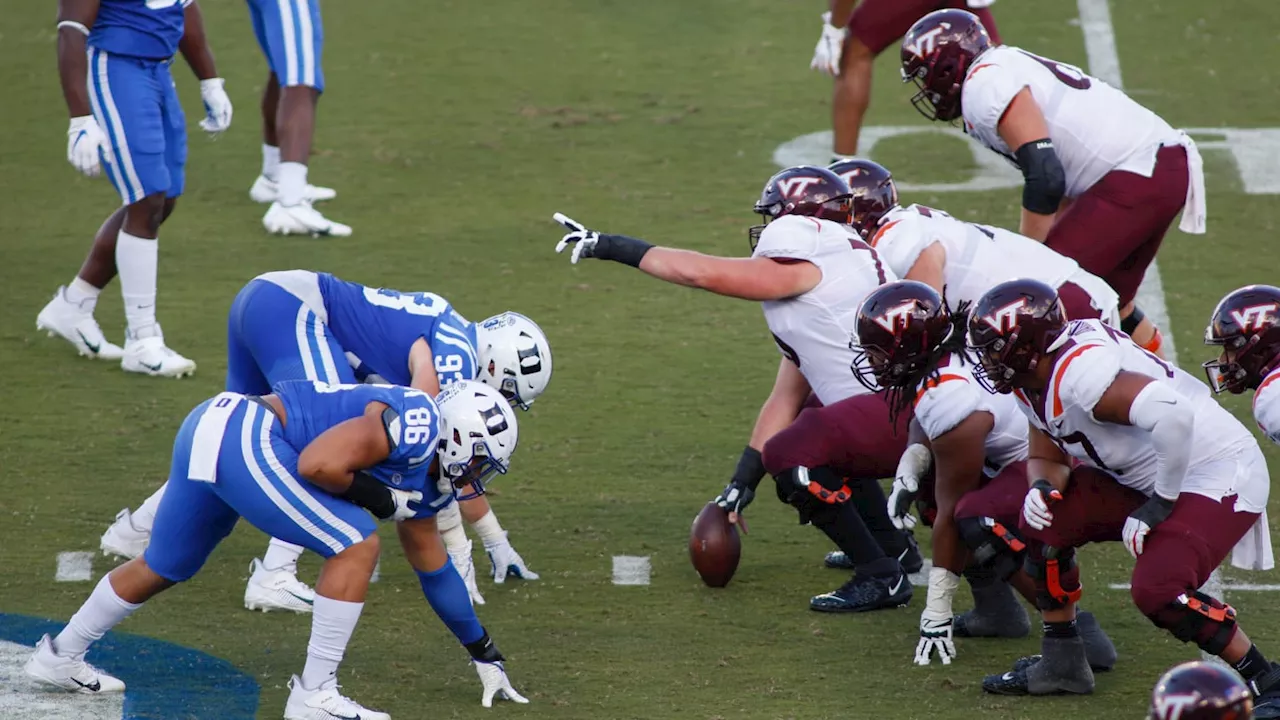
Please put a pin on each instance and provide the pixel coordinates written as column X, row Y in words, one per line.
column 1115, row 227
column 1000, row 498
column 854, row 437
column 881, row 23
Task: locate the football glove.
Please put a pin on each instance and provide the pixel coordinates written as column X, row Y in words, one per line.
column 935, row 635
column 505, row 560
column 826, row 55
column 402, row 498
column 1035, row 507
column 493, row 676
column 906, row 485
column 84, row 141
column 217, row 106
column 583, row 240
column 1142, row 521
column 735, row 498
column 461, row 557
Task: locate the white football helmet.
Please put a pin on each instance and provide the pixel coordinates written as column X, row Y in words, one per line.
column 478, row 434
column 515, row 357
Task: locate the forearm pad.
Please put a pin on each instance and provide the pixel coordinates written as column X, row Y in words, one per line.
column 484, row 650
column 371, row 495
column 750, row 470
column 1170, row 419
column 1045, row 180
column 621, row 248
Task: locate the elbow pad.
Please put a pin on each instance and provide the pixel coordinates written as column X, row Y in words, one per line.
column 1046, row 181
column 1170, row 419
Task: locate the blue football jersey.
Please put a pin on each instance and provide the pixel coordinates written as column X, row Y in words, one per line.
column 148, row 29
column 377, row 327
column 413, row 426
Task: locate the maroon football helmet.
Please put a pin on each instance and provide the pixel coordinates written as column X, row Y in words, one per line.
column 1246, row 325
column 874, row 193
column 1011, row 327
column 804, row 190
column 900, row 327
column 936, row 53
column 1201, row 691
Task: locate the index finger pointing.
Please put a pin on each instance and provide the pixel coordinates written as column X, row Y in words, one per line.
column 567, row 221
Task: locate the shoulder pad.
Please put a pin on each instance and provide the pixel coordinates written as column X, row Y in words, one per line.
column 790, row 236
column 944, row 402
column 989, row 87
column 900, row 241
column 1081, row 376
column 1266, row 407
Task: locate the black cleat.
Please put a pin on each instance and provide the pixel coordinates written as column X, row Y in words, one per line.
column 837, row 560
column 910, row 559
column 865, row 595
column 1266, row 693
column 996, row 613
column 1098, row 648
column 1061, row 669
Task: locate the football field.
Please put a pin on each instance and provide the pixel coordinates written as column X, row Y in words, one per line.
column 452, row 131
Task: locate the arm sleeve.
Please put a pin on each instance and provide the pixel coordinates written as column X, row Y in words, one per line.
column 1170, row 419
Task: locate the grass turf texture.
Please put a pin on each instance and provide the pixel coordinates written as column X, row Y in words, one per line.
column 452, row 131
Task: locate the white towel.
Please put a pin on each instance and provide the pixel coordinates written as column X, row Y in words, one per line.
column 1253, row 552
column 1194, row 212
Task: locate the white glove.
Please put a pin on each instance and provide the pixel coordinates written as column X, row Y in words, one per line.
column 496, row 683
column 1136, row 527
column 1035, row 507
column 402, row 499
column 935, row 634
column 84, row 140
column 915, row 461
column 826, row 55
column 461, row 557
column 217, row 106
column 505, row 559
column 583, row 240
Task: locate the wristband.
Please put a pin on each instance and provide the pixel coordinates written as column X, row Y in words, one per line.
column 750, row 469
column 621, row 248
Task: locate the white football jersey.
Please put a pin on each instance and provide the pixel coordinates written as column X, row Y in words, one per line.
column 1095, row 128
column 1266, row 406
column 1086, row 365
column 944, row 402
column 813, row 330
column 978, row 257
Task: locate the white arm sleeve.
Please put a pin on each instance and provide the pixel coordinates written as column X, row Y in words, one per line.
column 1170, row 419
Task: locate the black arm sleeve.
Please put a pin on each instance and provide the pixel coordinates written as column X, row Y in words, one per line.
column 750, row 468
column 371, row 495
column 1046, row 181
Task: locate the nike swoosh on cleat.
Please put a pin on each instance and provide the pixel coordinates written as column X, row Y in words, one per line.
column 95, row 686
column 92, row 348
column 898, row 585
column 152, row 368
column 300, row 598
column 1007, row 676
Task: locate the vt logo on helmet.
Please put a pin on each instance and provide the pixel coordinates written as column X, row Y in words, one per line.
column 1011, row 327
column 803, row 190
column 936, row 54
column 1200, row 691
column 1245, row 325
column 874, row 193
column 901, row 328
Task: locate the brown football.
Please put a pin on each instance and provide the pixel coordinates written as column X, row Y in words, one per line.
column 714, row 546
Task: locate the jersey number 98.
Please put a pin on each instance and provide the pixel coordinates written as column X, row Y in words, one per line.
column 423, row 303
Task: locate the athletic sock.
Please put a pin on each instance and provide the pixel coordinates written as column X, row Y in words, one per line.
column 102, row 611
column 270, row 161
column 136, row 260
column 850, row 534
column 292, row 178
column 1065, row 629
column 868, row 498
column 83, row 294
column 1253, row 664
column 282, row 556
column 448, row 596
column 332, row 622
column 145, row 516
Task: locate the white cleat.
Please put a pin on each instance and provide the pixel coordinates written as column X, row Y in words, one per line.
column 76, row 675
column 276, row 590
column 301, row 219
column 123, row 538
column 327, row 704
column 266, row 190
column 150, row 356
column 69, row 321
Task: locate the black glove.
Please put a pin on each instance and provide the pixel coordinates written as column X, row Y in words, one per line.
column 741, row 490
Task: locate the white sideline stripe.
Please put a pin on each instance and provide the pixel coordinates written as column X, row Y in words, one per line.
column 1238, row 587
column 631, row 570
column 377, row 571
column 1104, row 64
column 74, row 567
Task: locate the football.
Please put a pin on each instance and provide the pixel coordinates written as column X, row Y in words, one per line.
column 714, row 546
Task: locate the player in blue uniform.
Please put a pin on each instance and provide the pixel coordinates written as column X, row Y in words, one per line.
column 126, row 120
column 302, row 325
column 305, row 463
column 291, row 36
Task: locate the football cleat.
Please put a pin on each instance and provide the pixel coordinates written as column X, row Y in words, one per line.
column 276, row 590
column 150, row 356
column 996, row 613
column 1098, row 648
column 326, row 704
column 911, row 560
column 266, row 190
column 1060, row 669
column 123, row 538
column 67, row 320
column 47, row 667
column 301, row 219
column 865, row 594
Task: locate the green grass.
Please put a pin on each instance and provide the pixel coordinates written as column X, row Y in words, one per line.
column 453, row 130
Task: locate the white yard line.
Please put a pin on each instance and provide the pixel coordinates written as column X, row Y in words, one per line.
column 631, row 570
column 74, row 567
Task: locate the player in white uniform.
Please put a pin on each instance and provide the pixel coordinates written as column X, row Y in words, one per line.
column 962, row 259
column 811, row 273
column 1105, row 176
column 1246, row 325
column 1159, row 465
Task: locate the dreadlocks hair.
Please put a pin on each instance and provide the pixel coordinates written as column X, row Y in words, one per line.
column 901, row 397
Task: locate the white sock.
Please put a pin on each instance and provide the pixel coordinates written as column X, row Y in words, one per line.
column 136, row 259
column 292, row 178
column 489, row 530
column 145, row 516
column 83, row 294
column 102, row 611
column 270, row 161
column 282, row 556
column 332, row 622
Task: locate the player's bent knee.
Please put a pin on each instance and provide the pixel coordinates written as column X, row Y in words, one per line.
column 146, row 215
column 1197, row 618
column 1056, row 576
column 813, row 492
column 995, row 548
column 364, row 552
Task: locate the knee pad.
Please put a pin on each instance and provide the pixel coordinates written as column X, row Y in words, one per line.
column 1195, row 617
column 995, row 548
column 814, row 493
column 1057, row 577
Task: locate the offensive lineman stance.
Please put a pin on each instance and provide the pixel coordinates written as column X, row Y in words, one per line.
column 1246, row 325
